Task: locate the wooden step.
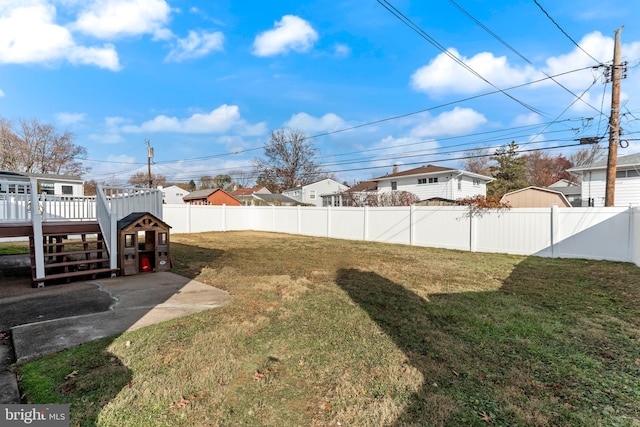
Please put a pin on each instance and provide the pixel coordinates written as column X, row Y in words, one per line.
column 78, row 252
column 79, row 273
column 76, row 262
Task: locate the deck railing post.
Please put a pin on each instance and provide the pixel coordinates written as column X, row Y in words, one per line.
column 36, row 222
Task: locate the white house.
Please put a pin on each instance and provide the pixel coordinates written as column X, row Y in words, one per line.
column 57, row 185
column 172, row 194
column 312, row 193
column 436, row 182
column 594, row 181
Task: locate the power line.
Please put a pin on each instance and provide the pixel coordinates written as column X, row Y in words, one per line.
column 405, row 20
column 494, row 35
column 565, row 33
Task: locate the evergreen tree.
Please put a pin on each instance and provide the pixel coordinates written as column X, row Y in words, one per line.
column 509, row 171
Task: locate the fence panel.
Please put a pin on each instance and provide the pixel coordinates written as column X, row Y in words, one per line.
column 442, row 227
column 314, row 221
column 514, row 231
column 389, row 225
column 284, row 219
column 347, row 223
column 599, row 233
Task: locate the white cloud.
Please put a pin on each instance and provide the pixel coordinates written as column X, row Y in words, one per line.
column 342, row 50
column 66, row 119
column 220, row 120
column 29, row 34
column 110, row 19
column 196, row 45
column 455, row 122
column 526, row 120
column 292, row 33
column 444, row 75
column 1, row 93
column 308, row 123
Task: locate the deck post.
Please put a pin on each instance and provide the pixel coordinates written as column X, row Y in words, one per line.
column 36, row 222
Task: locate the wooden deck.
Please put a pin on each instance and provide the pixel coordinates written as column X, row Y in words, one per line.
column 24, row 229
column 16, row 229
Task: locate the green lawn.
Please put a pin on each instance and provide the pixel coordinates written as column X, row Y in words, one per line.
column 332, row 332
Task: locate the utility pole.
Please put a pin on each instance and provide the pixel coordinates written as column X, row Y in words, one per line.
column 614, row 122
column 149, row 157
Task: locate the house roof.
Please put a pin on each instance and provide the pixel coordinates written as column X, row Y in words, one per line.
column 430, row 169
column 628, row 162
column 201, row 194
column 248, row 191
column 41, row 176
column 275, row 198
column 135, row 216
column 364, row 186
column 311, row 183
column 546, row 190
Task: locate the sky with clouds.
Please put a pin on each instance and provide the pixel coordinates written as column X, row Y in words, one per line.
column 206, row 82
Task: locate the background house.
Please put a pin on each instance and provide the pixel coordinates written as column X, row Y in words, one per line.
column 571, row 190
column 211, row 196
column 535, row 197
column 311, row 194
column 357, row 195
column 57, row 185
column 246, row 195
column 594, row 180
column 172, row 194
column 269, row 199
column 432, row 181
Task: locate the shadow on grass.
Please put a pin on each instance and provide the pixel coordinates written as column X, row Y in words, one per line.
column 535, row 352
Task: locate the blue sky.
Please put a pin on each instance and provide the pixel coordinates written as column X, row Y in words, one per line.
column 207, row 81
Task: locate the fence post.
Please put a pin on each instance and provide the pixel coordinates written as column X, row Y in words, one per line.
column 366, row 224
column 328, row 221
column 555, row 224
column 472, row 231
column 412, row 226
column 299, row 224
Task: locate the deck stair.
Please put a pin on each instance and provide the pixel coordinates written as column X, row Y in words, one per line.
column 71, row 249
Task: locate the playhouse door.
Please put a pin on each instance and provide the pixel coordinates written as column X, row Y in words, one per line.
column 129, row 256
column 162, row 252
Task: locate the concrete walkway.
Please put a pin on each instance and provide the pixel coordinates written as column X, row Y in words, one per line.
column 62, row 317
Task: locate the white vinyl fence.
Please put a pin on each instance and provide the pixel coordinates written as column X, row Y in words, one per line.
column 592, row 233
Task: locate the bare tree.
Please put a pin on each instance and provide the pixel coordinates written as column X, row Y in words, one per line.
column 35, row 147
column 243, row 179
column 477, row 161
column 587, row 155
column 288, row 162
column 141, row 180
column 205, row 182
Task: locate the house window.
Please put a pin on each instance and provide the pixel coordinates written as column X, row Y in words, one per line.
column 394, row 185
column 422, row 180
column 312, row 194
column 433, row 180
column 162, row 239
column 627, row 174
column 476, row 183
column 46, row 187
column 459, row 183
column 129, row 241
column 67, row 190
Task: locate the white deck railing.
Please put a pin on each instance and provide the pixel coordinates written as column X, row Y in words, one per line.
column 15, row 203
column 113, row 204
column 65, row 208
